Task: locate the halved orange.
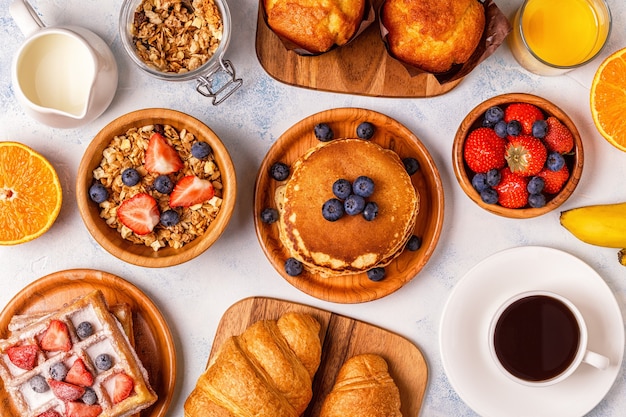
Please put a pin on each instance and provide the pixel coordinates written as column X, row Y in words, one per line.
column 30, row 194
column 608, row 99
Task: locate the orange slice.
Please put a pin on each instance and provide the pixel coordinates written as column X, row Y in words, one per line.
column 608, row 99
column 30, row 194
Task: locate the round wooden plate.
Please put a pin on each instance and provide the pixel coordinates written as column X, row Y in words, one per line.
column 153, row 340
column 389, row 134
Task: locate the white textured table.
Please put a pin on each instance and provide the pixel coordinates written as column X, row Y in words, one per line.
column 193, row 296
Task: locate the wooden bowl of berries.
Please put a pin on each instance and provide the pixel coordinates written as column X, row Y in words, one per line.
column 156, row 187
column 518, row 155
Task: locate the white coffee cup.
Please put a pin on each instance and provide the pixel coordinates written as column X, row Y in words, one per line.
column 62, row 76
column 539, row 338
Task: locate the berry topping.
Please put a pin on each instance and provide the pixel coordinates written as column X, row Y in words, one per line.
column 89, row 397
column 479, row 182
column 269, row 215
column 494, row 114
column 279, row 171
column 376, row 274
column 139, row 213
column 354, row 204
column 84, row 330
column 489, row 196
column 98, row 193
column 66, row 391
column 170, row 218
column 79, row 374
column 130, row 177
column 513, row 128
column 525, row 113
column 365, row 130
column 512, row 192
column 554, row 180
column 484, row 150
column 122, row 387
column 555, row 161
column 411, row 165
column 493, row 177
column 161, row 157
column 540, row 128
column 163, row 184
column 332, row 210
column 78, row 409
column 104, row 362
column 38, row 384
column 559, row 138
column 525, row 155
column 293, row 267
column 535, row 185
column 24, row 356
column 370, row 211
column 342, row 188
column 191, row 190
column 58, row 371
column 56, row 337
column 363, row 186
column 323, row 132
column 501, row 129
column 536, row 200
column 414, row 243
column 200, row 150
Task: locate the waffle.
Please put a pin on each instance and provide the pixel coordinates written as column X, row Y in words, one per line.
column 108, row 337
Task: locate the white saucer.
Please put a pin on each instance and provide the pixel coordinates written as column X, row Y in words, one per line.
column 465, row 321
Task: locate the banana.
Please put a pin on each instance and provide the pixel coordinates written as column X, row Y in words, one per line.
column 600, row 225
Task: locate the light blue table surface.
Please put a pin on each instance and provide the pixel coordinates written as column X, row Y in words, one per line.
column 193, row 296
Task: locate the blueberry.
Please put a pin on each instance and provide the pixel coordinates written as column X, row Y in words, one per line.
column 411, row 165
column 163, row 184
column 89, row 397
column 536, row 200
column 104, row 362
column 98, row 193
column 414, row 243
column 332, row 210
column 535, row 185
column 363, row 186
column 130, row 177
column 58, row 371
column 494, row 114
column 500, row 129
column 293, row 267
column 169, row 218
column 354, row 204
column 38, row 384
column 479, row 182
column 514, row 128
column 555, row 161
column 342, row 188
column 84, row 330
column 376, row 274
column 540, row 128
column 269, row 215
column 370, row 211
column 323, row 132
column 279, row 171
column 493, row 177
column 200, row 149
column 487, row 123
column 365, row 130
column 489, row 196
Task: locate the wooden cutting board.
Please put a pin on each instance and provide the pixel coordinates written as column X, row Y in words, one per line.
column 342, row 338
column 362, row 67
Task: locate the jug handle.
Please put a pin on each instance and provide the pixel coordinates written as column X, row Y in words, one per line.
column 25, row 17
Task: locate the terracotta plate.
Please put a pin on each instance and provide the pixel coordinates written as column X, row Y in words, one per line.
column 153, row 339
column 389, row 134
column 342, row 338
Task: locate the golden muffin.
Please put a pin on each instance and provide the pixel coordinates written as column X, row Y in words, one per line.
column 351, row 244
column 315, row 25
column 433, row 35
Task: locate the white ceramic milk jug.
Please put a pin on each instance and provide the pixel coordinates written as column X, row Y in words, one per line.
column 63, row 77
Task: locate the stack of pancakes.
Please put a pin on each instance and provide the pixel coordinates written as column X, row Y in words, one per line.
column 351, row 244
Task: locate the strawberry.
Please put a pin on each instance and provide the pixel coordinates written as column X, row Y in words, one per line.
column 56, row 337
column 558, row 137
column 50, row 413
column 525, row 155
column 79, row 374
column 525, row 113
column 78, row 409
column 24, row 356
column 191, row 190
column 65, row 391
column 139, row 213
column 484, row 150
column 161, row 157
column 554, row 180
column 511, row 189
column 122, row 387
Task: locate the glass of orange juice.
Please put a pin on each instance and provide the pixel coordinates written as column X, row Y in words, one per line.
column 551, row 37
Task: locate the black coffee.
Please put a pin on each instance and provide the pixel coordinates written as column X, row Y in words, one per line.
column 536, row 338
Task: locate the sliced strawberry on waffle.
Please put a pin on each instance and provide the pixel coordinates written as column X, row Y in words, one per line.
column 50, row 413
column 78, row 409
column 79, row 374
column 139, row 213
column 65, row 391
column 161, row 157
column 56, row 337
column 122, row 387
column 24, row 356
column 191, row 190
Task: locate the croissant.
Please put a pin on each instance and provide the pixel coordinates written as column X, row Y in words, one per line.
column 267, row 371
column 363, row 388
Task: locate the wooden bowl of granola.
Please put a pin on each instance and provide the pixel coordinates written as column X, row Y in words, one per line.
column 500, row 199
column 156, row 187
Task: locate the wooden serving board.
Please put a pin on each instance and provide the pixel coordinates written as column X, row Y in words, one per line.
column 361, row 67
column 342, row 338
